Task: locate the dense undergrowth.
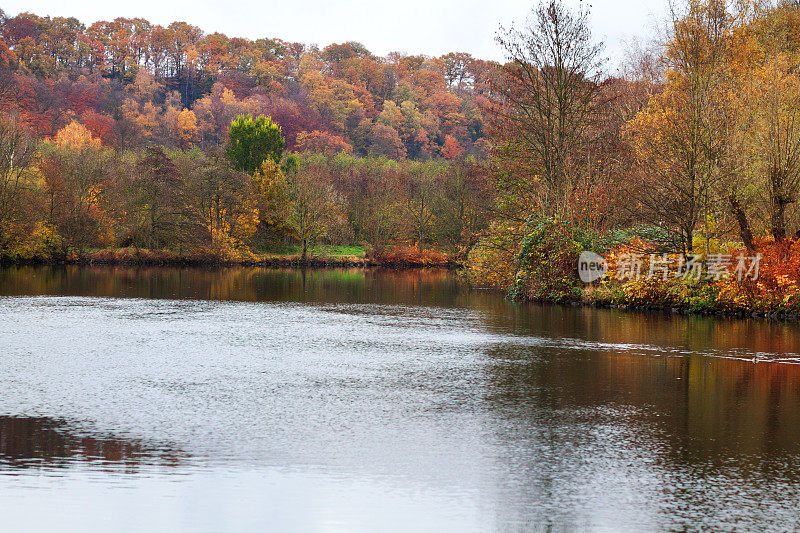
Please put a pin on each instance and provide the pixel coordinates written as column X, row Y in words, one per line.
column 545, row 270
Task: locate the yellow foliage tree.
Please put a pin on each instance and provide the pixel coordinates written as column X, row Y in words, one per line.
column 272, row 194
column 75, row 136
column 187, row 130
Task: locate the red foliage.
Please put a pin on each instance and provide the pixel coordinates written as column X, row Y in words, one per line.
column 82, row 98
column 322, row 142
column 293, row 118
column 451, row 148
column 777, row 287
column 779, row 270
column 101, row 126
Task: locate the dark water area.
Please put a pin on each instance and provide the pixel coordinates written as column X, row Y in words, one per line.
column 249, row 399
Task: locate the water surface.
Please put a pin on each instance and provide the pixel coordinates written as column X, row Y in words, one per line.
column 368, row 400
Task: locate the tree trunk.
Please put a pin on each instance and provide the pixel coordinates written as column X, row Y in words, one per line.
column 689, row 236
column 778, row 219
column 745, row 232
column 779, row 202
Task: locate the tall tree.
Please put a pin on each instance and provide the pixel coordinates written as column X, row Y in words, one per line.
column 76, row 173
column 680, row 139
column 316, row 208
column 252, row 140
column 548, row 98
column 17, row 157
column 158, row 203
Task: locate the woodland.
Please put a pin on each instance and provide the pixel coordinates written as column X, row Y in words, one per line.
column 125, row 139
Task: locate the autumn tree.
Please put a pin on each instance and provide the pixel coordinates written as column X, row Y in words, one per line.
column 680, row 138
column 17, row 157
column 322, row 142
column 273, row 202
column 466, row 207
column 252, row 140
column 220, row 203
column 76, row 171
column 157, row 200
column 767, row 111
column 548, row 98
column 76, row 136
column 457, row 69
column 316, row 208
column 187, row 131
column 451, row 149
column 385, row 141
column 421, row 185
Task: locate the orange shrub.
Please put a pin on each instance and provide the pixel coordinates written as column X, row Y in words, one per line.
column 778, row 285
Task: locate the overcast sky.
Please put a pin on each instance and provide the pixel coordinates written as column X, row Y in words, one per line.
column 432, row 27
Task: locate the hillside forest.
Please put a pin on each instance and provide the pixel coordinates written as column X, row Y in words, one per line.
column 127, row 135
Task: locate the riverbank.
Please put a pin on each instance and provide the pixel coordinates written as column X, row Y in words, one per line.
column 727, row 280
column 592, row 298
column 689, row 311
column 724, row 298
column 327, row 257
column 611, row 299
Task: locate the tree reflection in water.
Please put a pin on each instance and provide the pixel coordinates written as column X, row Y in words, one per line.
column 39, row 442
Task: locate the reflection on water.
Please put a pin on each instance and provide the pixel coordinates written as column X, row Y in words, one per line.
column 411, row 287
column 39, row 442
column 382, row 400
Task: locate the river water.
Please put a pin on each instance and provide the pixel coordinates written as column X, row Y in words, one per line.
column 367, row 400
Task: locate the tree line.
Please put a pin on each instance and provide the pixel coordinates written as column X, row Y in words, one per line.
column 64, row 196
column 122, row 133
column 125, row 133
column 133, row 83
column 693, row 148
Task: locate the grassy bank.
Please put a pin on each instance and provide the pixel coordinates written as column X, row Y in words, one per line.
column 320, row 256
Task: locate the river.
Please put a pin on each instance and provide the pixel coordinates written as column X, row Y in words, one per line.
column 248, row 399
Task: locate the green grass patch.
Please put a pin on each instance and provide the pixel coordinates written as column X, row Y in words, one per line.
column 323, row 250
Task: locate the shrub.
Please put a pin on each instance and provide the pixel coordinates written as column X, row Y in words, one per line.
column 547, row 263
column 777, row 288
column 491, row 263
column 409, row 255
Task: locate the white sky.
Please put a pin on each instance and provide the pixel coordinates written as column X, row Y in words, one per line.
column 432, row 27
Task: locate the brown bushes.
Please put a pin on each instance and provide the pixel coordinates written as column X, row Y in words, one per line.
column 410, row 256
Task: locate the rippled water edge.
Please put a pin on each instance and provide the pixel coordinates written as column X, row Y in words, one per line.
column 362, row 400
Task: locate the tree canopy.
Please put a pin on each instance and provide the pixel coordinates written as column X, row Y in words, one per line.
column 252, row 140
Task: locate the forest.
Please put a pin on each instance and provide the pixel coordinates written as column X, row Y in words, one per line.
column 114, row 135
column 686, row 161
column 128, row 135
